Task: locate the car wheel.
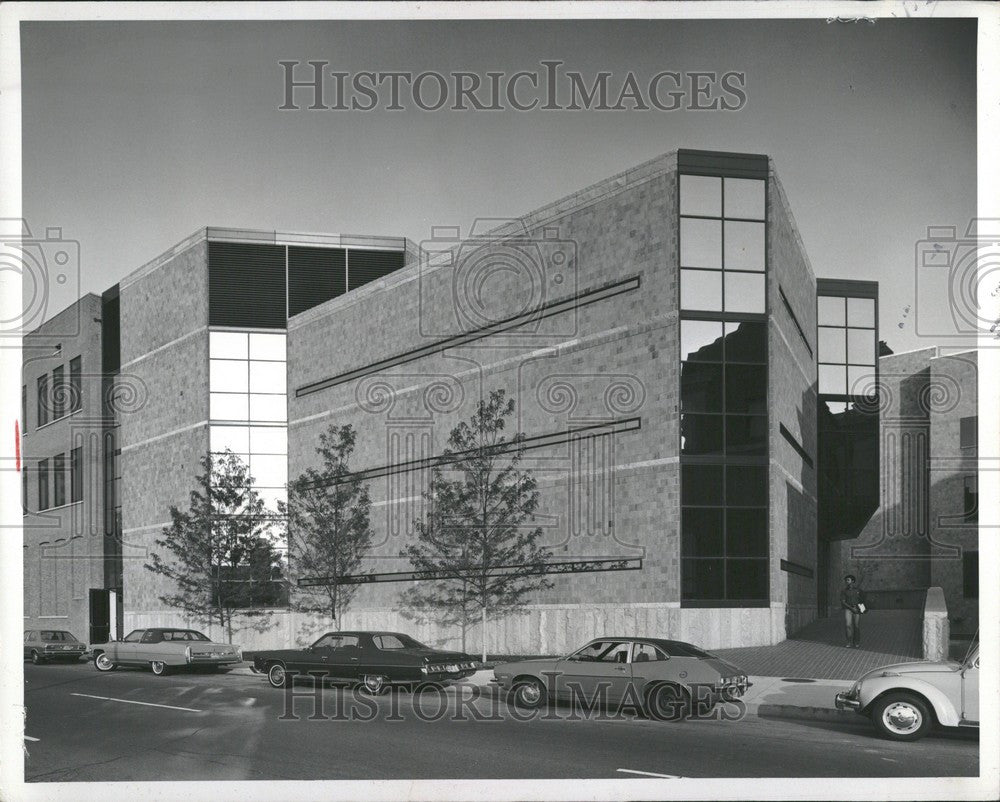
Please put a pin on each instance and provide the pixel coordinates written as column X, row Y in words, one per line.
column 902, row 717
column 668, row 702
column 277, row 676
column 103, row 663
column 159, row 668
column 530, row 693
column 35, row 658
column 373, row 684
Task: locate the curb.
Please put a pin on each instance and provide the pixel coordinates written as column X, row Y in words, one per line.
column 809, row 713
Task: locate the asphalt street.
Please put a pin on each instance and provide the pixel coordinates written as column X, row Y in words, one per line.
column 130, row 725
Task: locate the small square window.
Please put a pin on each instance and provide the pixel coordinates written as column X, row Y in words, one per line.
column 744, row 246
column 745, row 198
column 745, row 292
column 701, row 243
column 832, row 380
column 832, row 310
column 268, row 408
column 234, row 438
column 268, row 346
column 861, row 346
column 701, row 485
column 701, row 387
column 860, row 380
column 703, row 580
column 701, row 290
column 861, row 312
column 227, row 376
column 701, row 195
column 228, row 406
column 832, row 344
column 702, row 532
column 746, row 342
column 701, row 340
column 227, row 345
column 268, row 439
column 701, row 434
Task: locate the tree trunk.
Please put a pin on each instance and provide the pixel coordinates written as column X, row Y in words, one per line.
column 484, row 633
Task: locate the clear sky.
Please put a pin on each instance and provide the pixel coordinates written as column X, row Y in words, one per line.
column 137, row 134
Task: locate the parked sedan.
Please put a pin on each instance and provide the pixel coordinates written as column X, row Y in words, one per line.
column 906, row 699
column 668, row 678
column 373, row 660
column 163, row 650
column 45, row 645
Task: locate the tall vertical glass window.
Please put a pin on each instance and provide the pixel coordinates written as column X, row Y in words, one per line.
column 723, row 391
column 248, row 406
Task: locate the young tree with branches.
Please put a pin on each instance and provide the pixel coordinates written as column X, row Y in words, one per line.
column 218, row 552
column 478, row 526
column 329, row 525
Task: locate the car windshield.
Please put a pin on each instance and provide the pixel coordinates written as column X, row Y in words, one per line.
column 56, row 635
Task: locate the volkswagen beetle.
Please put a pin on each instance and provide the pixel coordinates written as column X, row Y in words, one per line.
column 905, row 700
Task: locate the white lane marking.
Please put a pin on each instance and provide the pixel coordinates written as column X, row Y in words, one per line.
column 133, row 702
column 650, row 774
column 29, row 738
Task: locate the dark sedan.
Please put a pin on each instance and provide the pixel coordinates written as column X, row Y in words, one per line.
column 373, row 660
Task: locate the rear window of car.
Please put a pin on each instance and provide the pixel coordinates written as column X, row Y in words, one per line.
column 678, row 649
column 388, row 642
column 56, row 635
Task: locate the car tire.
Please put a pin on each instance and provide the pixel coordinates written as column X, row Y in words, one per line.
column 159, row 668
column 277, row 676
column 103, row 663
column 374, row 684
column 36, row 658
column 529, row 693
column 902, row 716
column 666, row 701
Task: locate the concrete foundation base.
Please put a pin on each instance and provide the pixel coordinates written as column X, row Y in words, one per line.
column 539, row 629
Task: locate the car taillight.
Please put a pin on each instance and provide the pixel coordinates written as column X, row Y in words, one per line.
column 187, row 653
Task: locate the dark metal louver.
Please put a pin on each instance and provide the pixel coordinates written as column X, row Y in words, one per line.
column 315, row 275
column 365, row 265
column 246, row 285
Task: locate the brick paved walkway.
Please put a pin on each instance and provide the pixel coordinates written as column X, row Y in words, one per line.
column 818, row 652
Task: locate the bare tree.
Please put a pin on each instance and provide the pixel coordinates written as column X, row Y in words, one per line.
column 329, row 525
column 478, row 530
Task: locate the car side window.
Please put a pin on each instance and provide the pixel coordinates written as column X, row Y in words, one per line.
column 152, row 636
column 603, row 651
column 327, row 642
column 646, row 652
column 386, row 642
column 134, row 636
column 348, row 641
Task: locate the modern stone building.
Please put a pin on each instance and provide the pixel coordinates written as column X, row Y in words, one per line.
column 697, row 402
column 925, row 531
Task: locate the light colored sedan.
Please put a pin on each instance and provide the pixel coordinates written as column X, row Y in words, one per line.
column 906, row 699
column 668, row 679
column 163, row 650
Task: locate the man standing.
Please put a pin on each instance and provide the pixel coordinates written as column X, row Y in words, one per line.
column 852, row 599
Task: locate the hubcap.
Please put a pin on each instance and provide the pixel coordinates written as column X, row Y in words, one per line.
column 277, row 675
column 373, row 684
column 157, row 668
column 902, row 717
column 103, row 661
column 530, row 693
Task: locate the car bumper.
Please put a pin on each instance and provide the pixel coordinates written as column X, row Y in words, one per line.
column 206, row 660
column 844, row 701
column 68, row 654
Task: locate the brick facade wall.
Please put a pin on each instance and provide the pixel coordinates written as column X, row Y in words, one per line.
column 64, row 546
column 792, row 403
column 164, row 320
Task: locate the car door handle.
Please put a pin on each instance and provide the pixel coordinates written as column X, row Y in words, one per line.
column 355, row 659
column 620, row 668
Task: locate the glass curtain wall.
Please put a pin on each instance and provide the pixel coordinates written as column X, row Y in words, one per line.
column 723, row 391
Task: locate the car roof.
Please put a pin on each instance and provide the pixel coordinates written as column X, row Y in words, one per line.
column 666, row 642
